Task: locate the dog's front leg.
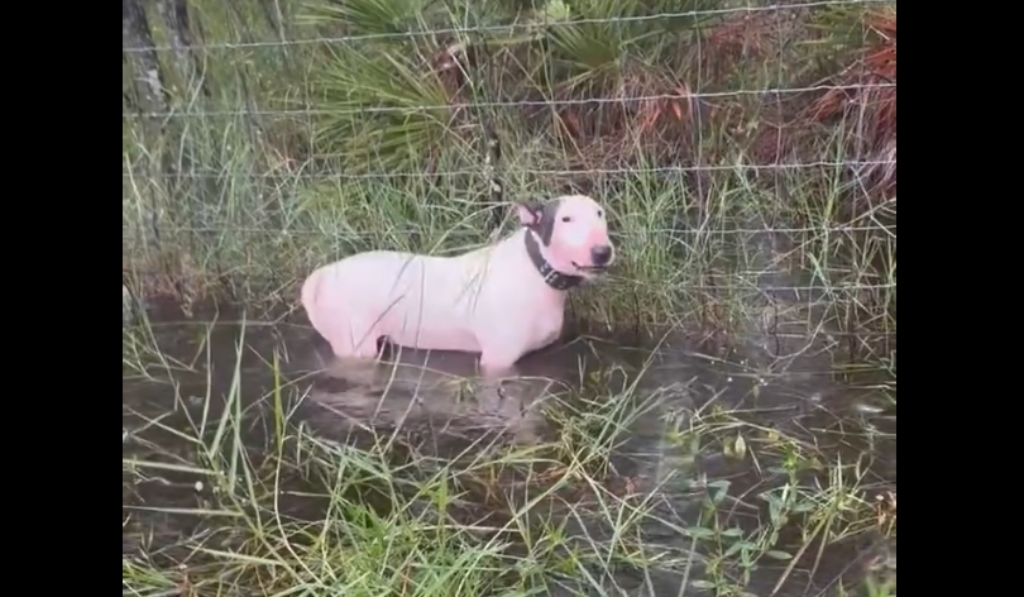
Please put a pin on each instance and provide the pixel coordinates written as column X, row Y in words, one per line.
column 495, row 367
column 507, row 400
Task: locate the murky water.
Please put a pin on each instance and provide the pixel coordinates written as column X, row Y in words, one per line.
column 786, row 385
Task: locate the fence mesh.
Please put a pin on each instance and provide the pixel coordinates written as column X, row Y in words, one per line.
column 746, row 151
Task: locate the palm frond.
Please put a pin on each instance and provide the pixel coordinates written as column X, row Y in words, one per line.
column 367, row 17
column 377, row 103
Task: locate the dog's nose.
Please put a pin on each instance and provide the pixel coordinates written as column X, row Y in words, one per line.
column 601, row 254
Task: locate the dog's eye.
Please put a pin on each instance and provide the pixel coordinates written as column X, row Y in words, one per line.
column 600, row 213
column 566, row 219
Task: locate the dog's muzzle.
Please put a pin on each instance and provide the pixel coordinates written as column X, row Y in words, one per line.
column 601, row 255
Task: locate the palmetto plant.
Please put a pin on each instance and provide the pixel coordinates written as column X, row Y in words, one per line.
column 391, row 97
column 375, row 96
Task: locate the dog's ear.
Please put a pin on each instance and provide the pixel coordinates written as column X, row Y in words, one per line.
column 530, row 214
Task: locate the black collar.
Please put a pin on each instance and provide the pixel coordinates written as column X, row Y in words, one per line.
column 554, row 279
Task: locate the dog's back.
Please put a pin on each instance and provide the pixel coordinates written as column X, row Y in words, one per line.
column 414, row 300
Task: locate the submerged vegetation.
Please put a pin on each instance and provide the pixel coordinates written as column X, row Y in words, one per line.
column 747, row 156
column 633, row 487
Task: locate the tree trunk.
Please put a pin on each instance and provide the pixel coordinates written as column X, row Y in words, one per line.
column 148, row 83
column 179, row 29
column 137, row 42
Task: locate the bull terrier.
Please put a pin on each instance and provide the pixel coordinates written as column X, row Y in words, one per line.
column 501, row 301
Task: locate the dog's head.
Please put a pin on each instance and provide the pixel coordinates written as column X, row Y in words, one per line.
column 573, row 234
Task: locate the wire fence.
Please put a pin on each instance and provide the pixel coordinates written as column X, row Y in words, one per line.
column 596, row 172
column 545, row 103
column 725, row 126
column 775, row 7
column 675, row 232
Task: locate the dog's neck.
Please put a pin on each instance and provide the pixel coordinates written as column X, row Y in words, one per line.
column 552, row 277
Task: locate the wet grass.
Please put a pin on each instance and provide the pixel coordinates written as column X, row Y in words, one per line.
column 717, row 265
column 227, row 491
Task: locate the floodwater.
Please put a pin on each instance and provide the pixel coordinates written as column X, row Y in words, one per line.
column 785, row 383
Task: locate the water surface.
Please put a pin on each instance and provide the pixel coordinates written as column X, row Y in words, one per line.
column 786, row 382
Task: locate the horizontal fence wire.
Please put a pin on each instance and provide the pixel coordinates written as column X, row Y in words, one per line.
column 510, row 28
column 736, row 167
column 753, row 287
column 589, row 101
column 682, row 232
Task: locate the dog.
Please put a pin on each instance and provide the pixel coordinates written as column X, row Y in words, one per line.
column 501, row 301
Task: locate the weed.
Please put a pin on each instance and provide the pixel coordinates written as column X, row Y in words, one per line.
column 226, row 489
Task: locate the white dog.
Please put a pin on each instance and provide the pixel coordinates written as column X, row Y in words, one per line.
column 502, row 301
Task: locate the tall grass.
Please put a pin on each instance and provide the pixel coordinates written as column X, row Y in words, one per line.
column 230, row 493
column 734, row 214
column 296, row 154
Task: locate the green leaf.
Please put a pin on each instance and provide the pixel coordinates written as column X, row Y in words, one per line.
column 379, row 109
column 367, row 17
column 699, row 533
column 732, row 532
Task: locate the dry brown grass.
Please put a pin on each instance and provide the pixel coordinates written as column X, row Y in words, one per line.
column 770, row 129
column 868, row 112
